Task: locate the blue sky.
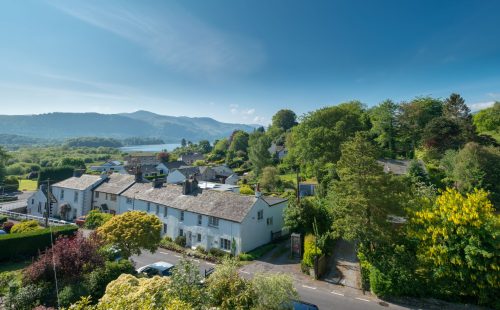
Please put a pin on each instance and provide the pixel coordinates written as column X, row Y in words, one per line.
column 241, row 61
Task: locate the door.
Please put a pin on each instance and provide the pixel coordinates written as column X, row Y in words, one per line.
column 188, row 239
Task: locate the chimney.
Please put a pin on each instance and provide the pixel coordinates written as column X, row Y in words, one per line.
column 258, row 194
column 138, row 174
column 77, row 173
column 157, row 183
column 194, row 184
column 186, row 187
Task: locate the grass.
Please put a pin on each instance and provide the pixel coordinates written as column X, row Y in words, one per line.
column 258, row 252
column 292, row 177
column 13, row 266
column 28, row 185
column 11, row 274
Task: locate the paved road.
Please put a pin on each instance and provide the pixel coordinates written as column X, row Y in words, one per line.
column 322, row 296
column 22, row 201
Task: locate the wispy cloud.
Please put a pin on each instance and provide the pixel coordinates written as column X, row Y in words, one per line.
column 480, row 105
column 494, row 95
column 174, row 38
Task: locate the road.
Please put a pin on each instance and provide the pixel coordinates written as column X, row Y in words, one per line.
column 22, row 201
column 322, row 296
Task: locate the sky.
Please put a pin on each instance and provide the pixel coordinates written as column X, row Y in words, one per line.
column 241, row 61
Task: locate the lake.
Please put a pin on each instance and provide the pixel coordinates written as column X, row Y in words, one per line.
column 150, row 148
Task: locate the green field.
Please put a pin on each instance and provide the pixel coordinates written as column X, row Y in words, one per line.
column 27, row 185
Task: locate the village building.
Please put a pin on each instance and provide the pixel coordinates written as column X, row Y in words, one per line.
column 106, row 194
column 190, row 158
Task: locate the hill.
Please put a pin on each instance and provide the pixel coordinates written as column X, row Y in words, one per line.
column 170, row 129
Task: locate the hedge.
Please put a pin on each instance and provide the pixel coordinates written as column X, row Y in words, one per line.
column 55, row 174
column 28, row 244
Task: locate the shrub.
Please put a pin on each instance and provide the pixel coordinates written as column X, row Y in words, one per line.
column 201, row 250
column 3, row 219
column 28, row 244
column 310, row 250
column 70, row 294
column 98, row 279
column 25, row 226
column 96, row 219
column 181, row 240
column 380, row 284
column 217, row 252
column 168, row 239
column 245, row 257
column 26, row 297
column 55, row 174
column 168, row 244
column 7, row 226
column 246, row 190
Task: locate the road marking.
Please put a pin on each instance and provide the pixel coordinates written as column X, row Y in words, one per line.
column 164, row 253
column 245, row 272
column 309, row 287
column 211, row 264
column 178, row 256
column 337, row 293
column 362, row 299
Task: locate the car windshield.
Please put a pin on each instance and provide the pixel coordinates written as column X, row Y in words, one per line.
column 167, row 272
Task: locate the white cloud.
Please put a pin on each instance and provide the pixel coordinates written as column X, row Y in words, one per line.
column 248, row 112
column 494, row 95
column 480, row 105
column 259, row 120
column 173, row 37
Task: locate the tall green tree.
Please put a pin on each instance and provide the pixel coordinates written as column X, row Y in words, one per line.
column 442, row 133
column 316, row 140
column 383, row 119
column 204, row 146
column 258, row 151
column 284, row 119
column 239, row 141
column 454, row 107
column 3, row 159
column 488, row 119
column 363, row 196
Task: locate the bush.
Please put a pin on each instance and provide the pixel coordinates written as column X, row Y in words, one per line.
column 3, row 219
column 245, row 257
column 28, row 244
column 181, row 240
column 96, row 219
column 217, row 252
column 168, row 239
column 98, row 279
column 380, row 284
column 71, row 294
column 26, row 297
column 310, row 250
column 201, row 250
column 25, row 226
column 168, row 244
column 246, row 190
column 7, row 226
column 55, row 174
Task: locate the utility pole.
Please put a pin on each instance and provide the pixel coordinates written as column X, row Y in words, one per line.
column 48, row 204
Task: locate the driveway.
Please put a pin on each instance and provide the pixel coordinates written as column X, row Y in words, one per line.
column 21, row 202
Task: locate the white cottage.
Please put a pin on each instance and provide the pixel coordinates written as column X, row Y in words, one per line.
column 208, row 218
column 106, row 194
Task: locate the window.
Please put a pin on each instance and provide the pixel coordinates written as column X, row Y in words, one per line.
column 107, row 196
column 213, row 221
column 199, row 237
column 181, row 232
column 32, row 201
column 76, row 197
column 113, row 197
column 39, row 207
column 164, row 228
column 200, row 219
column 96, row 194
column 270, row 220
column 157, row 211
column 165, row 212
column 61, row 195
column 149, row 206
column 225, row 244
column 182, row 215
column 260, row 214
column 129, row 201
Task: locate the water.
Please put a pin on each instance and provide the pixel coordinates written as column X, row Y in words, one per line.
column 150, row 148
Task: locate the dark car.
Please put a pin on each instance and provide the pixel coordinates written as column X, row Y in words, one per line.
column 302, row 305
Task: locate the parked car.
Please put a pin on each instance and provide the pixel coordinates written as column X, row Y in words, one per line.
column 157, row 269
column 80, row 221
column 302, row 305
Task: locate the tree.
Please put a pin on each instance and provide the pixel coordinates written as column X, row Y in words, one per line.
column 363, row 196
column 163, row 157
column 76, row 163
column 239, row 141
column 183, row 142
column 3, row 159
column 273, row 291
column 417, row 172
column 299, row 216
column 454, row 107
column 258, row 151
column 316, row 140
column 459, row 240
column 270, row 179
column 443, row 133
column 185, row 282
column 96, row 219
column 220, row 148
column 284, row 119
column 204, row 146
column 383, row 119
column 132, row 231
column 488, row 119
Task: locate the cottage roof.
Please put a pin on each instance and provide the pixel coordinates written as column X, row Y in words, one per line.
column 116, row 183
column 174, row 164
column 188, row 171
column 270, row 200
column 222, row 170
column 225, row 205
column 192, row 156
column 80, row 183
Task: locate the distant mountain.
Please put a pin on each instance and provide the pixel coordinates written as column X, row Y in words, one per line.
column 170, row 129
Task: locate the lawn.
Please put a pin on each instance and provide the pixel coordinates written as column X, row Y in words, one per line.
column 11, row 273
column 28, row 185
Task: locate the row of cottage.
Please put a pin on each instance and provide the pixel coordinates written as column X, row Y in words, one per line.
column 207, row 214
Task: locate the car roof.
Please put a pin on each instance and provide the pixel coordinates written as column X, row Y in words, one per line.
column 161, row 265
column 303, row 305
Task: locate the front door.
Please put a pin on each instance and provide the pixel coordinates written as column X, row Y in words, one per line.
column 188, row 239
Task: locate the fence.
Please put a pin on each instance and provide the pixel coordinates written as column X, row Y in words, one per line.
column 40, row 219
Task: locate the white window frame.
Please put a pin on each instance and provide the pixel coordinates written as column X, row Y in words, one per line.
column 182, row 216
column 165, row 211
column 200, row 219
column 225, row 244
column 260, row 215
column 75, row 197
column 213, row 221
column 269, row 221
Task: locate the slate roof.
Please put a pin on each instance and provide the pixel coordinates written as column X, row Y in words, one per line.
column 192, row 156
column 80, row 183
column 225, row 205
column 223, row 170
column 174, row 164
column 188, row 171
column 116, row 183
column 273, row 200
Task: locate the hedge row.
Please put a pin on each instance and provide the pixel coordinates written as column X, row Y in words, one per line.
column 29, row 244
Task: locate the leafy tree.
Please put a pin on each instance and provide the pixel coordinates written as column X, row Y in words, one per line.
column 488, row 119
column 72, row 162
column 363, row 196
column 299, row 216
column 185, row 282
column 310, row 250
column 25, row 227
column 273, row 292
column 459, row 240
column 270, row 179
column 284, row 119
column 204, row 146
column 183, row 142
column 132, row 231
column 239, row 141
column 220, row 148
column 443, row 133
column 454, row 107
column 316, row 140
column 417, row 172
column 97, row 280
column 226, row 289
column 96, row 219
column 383, row 119
column 258, row 151
column 163, row 156
column 3, row 158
